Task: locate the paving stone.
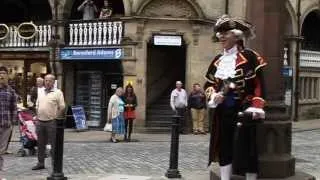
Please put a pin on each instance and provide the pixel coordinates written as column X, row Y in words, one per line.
column 94, row 160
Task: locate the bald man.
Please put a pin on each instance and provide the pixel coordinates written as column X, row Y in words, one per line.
column 49, row 106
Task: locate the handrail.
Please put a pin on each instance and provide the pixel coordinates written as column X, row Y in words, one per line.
column 164, row 76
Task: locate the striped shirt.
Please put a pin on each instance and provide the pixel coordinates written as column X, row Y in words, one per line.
column 8, row 106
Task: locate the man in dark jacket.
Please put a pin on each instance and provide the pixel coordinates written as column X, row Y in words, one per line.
column 197, row 104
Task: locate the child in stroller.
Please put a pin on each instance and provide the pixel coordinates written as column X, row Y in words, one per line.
column 27, row 129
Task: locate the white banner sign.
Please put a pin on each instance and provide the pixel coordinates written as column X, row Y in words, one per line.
column 162, row 40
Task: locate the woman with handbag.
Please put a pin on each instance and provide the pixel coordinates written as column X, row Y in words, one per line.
column 115, row 114
column 129, row 113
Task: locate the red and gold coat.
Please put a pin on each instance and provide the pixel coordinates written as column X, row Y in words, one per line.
column 249, row 88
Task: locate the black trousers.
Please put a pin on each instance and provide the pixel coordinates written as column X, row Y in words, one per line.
column 227, row 122
column 128, row 128
column 182, row 112
column 245, row 147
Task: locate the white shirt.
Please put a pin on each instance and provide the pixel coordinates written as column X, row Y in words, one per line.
column 178, row 99
column 40, row 90
column 227, row 64
column 50, row 104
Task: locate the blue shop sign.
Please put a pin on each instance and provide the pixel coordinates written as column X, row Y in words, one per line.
column 287, row 71
column 91, row 54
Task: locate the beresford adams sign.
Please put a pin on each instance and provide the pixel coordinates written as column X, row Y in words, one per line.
column 27, row 30
column 4, row 31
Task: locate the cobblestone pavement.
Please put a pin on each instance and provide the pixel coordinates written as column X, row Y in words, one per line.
column 306, row 149
column 93, row 160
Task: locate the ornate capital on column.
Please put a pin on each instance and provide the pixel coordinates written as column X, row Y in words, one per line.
column 129, row 61
column 140, row 33
column 129, row 67
column 195, row 34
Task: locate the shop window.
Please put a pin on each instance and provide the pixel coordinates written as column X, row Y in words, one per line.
column 22, row 81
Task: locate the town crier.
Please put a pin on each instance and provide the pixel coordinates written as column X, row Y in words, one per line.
column 234, row 88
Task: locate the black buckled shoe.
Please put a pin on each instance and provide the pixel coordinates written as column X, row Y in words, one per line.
column 38, row 167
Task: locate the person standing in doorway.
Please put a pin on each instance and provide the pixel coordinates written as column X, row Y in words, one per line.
column 8, row 110
column 89, row 10
column 115, row 114
column 130, row 99
column 179, row 104
column 50, row 105
column 197, row 104
column 106, row 10
column 36, row 90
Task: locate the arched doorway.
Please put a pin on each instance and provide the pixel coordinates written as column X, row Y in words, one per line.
column 166, row 64
column 310, row 31
column 117, row 8
column 166, row 55
column 24, row 10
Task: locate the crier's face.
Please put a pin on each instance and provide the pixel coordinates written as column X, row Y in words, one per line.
column 3, row 77
column 227, row 39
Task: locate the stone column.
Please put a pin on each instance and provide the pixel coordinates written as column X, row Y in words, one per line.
column 274, row 136
column 56, row 65
column 130, row 75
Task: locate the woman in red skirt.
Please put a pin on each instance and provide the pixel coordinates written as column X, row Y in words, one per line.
column 129, row 113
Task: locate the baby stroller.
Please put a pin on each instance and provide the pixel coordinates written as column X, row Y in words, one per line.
column 27, row 129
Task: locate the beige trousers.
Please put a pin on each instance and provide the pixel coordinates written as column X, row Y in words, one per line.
column 4, row 139
column 198, row 119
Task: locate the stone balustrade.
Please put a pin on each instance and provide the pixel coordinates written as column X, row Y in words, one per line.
column 309, row 58
column 95, row 33
column 41, row 38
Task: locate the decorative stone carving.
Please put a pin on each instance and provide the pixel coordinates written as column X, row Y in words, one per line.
column 127, row 52
column 196, row 34
column 169, row 8
column 140, row 34
column 129, row 67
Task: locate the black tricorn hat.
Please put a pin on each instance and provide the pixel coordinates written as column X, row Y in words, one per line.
column 226, row 23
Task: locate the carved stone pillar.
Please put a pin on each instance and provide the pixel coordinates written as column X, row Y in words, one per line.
column 58, row 39
column 130, row 69
column 275, row 135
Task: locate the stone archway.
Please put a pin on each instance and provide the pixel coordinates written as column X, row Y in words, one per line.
column 310, row 31
column 291, row 20
column 169, row 8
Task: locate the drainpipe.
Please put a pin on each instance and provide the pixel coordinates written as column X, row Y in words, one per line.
column 226, row 10
column 54, row 42
column 297, row 64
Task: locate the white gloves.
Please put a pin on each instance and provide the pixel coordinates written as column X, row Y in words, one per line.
column 213, row 103
column 257, row 113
